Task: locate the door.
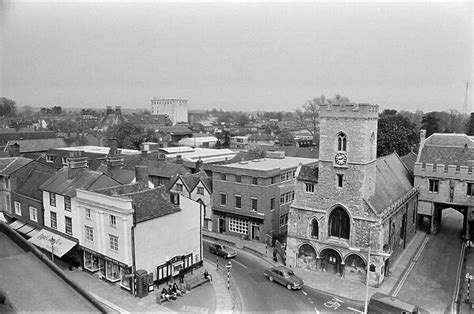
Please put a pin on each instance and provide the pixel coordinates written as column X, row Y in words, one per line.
column 255, row 232
column 221, row 224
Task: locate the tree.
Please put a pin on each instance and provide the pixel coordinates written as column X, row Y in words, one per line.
column 430, row 123
column 128, row 135
column 242, row 120
column 7, row 107
column 396, row 133
column 286, row 138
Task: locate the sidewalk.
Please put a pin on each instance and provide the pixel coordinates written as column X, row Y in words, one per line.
column 331, row 283
column 464, row 306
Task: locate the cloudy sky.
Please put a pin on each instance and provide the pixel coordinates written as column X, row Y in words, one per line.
column 236, row 55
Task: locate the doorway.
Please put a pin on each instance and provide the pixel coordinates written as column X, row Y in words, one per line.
column 221, row 224
column 255, row 232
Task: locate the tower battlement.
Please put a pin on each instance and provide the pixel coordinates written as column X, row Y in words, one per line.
column 351, row 110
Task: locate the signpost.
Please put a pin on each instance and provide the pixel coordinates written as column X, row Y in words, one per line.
column 228, row 266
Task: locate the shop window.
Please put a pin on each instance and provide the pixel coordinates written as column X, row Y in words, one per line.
column 68, row 225
column 309, row 187
column 91, row 261
column 54, row 221
column 33, row 214
column 339, row 224
column 434, row 186
column 67, row 203
column 113, row 271
column 17, row 208
column 124, row 274
column 238, row 225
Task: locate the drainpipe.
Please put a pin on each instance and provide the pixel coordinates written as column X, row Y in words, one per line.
column 134, row 266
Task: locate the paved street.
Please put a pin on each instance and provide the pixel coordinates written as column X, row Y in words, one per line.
column 432, row 281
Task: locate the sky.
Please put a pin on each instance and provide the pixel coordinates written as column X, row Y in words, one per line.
column 241, row 56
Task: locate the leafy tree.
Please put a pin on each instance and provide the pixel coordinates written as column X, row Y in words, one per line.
column 56, row 110
column 242, row 120
column 128, row 135
column 286, row 138
column 395, row 133
column 7, row 107
column 430, row 123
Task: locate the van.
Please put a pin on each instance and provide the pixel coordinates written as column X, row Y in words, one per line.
column 383, row 303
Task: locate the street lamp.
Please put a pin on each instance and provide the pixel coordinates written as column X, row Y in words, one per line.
column 52, row 241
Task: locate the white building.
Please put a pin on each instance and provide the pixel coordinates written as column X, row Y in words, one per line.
column 175, row 109
column 201, row 141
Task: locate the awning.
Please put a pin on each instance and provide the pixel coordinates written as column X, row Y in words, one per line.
column 52, row 242
column 26, row 229
column 17, row 224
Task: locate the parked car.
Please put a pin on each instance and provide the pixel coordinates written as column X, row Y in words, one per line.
column 222, row 250
column 284, row 276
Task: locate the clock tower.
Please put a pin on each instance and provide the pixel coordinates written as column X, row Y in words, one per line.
column 347, row 151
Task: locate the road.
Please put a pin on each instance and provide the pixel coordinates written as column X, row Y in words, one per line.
column 432, row 281
column 260, row 295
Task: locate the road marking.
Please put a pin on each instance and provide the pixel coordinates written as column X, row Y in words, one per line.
column 458, row 280
column 109, row 304
column 316, row 310
column 355, row 310
column 417, row 256
column 234, row 261
column 304, row 292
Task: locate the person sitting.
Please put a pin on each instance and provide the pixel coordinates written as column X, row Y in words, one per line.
column 207, row 275
column 176, row 290
column 165, row 294
column 171, row 292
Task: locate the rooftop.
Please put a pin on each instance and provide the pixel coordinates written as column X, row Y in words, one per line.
column 100, row 150
column 266, row 164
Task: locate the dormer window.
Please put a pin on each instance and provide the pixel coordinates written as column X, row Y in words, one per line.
column 341, row 142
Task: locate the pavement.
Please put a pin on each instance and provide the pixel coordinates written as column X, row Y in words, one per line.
column 467, row 288
column 220, row 299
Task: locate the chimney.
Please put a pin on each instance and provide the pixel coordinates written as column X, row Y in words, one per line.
column 141, row 175
column 114, row 158
column 144, row 154
column 113, row 146
column 161, row 158
column 199, row 165
column 108, row 110
column 422, row 136
column 179, row 160
column 14, row 150
column 77, row 162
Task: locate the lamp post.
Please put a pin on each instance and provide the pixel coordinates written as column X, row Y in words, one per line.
column 52, row 241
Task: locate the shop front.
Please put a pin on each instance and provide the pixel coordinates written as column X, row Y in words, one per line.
column 178, row 265
column 108, row 268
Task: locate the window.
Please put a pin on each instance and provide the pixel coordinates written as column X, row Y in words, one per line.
column 223, row 178
column 91, row 262
column 341, row 142
column 272, row 180
column 287, row 197
column 283, row 220
column 113, row 240
column 339, row 224
column 64, row 160
column 53, row 219
column 470, row 189
column 340, row 180
column 89, row 234
column 238, row 201
column 238, row 225
column 52, row 199
column 17, row 208
column 67, row 203
column 309, row 187
column 8, row 204
column 223, row 199
column 68, row 225
column 200, row 190
column 33, row 214
column 255, row 181
column 7, row 183
column 434, row 186
column 254, row 204
column 174, row 197
column 288, row 175
column 238, row 179
column 179, row 187
column 314, row 229
column 88, row 213
column 49, row 158
column 272, row 203
column 113, row 220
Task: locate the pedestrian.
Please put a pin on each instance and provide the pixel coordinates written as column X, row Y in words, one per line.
column 181, row 276
column 275, row 259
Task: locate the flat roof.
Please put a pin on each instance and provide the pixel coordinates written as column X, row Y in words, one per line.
column 99, row 150
column 31, row 286
column 193, row 154
column 265, row 164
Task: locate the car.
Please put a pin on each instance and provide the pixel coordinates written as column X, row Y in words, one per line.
column 222, row 250
column 285, row 276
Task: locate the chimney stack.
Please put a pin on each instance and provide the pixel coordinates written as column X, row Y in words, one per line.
column 77, row 162
column 179, row 160
column 108, row 110
column 161, row 158
column 113, row 146
column 199, row 165
column 141, row 175
column 14, row 150
column 422, row 136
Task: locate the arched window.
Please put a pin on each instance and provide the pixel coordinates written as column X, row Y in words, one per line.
column 314, row 229
column 341, row 142
column 339, row 224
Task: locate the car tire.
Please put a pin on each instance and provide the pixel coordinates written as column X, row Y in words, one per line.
column 288, row 286
column 271, row 278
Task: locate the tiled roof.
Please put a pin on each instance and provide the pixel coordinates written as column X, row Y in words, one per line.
column 448, row 149
column 32, row 183
column 85, row 179
column 165, row 170
column 409, row 161
column 392, row 182
column 309, row 173
column 9, row 165
column 123, row 176
column 38, row 145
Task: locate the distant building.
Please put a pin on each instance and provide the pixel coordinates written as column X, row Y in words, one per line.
column 175, row 109
column 198, row 140
column 239, row 142
column 111, row 118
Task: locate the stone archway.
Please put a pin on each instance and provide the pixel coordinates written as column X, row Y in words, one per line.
column 355, row 268
column 306, row 258
column 330, row 261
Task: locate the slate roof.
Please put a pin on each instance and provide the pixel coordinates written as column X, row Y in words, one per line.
column 38, row 145
column 409, row 161
column 309, row 173
column 85, row 179
column 176, row 130
column 393, row 180
column 32, row 183
column 165, row 170
column 192, row 180
column 123, row 176
column 448, row 149
column 9, row 165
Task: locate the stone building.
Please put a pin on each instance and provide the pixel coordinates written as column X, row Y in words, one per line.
column 443, row 174
column 175, row 109
column 351, row 201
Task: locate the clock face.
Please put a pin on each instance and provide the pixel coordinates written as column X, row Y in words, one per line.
column 340, row 159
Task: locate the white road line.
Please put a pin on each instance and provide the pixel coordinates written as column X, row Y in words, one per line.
column 417, row 256
column 458, row 279
column 355, row 310
column 316, row 310
column 234, row 261
column 304, row 292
